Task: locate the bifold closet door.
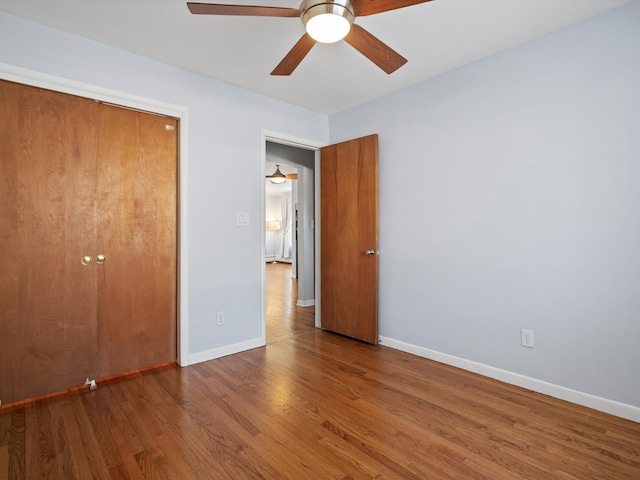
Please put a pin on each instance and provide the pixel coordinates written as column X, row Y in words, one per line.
column 137, row 236
column 88, row 240
column 48, row 333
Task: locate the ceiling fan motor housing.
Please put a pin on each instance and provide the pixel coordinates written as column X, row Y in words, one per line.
column 337, row 10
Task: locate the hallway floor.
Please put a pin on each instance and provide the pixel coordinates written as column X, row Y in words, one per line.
column 284, row 318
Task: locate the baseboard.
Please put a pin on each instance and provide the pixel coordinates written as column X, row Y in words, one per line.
column 224, row 351
column 305, row 303
column 611, row 407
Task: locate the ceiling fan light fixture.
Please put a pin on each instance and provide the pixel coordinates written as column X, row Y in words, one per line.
column 327, row 22
column 278, row 176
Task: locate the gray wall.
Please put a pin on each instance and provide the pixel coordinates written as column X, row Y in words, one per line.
column 509, row 199
column 287, row 154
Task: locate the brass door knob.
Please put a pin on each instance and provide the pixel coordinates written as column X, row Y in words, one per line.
column 100, row 259
column 86, row 260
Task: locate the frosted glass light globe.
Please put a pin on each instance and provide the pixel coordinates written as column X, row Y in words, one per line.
column 327, row 21
column 328, row 28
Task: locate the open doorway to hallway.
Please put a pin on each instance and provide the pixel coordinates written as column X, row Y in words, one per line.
column 289, row 242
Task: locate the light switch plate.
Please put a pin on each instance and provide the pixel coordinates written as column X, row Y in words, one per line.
column 242, row 219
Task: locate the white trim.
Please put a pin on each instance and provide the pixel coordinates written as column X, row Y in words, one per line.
column 585, row 399
column 263, row 240
column 306, row 303
column 224, row 351
column 284, row 139
column 318, row 228
column 72, row 87
column 292, row 141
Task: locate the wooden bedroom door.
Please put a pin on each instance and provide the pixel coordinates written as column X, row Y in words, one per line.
column 349, row 238
column 82, row 179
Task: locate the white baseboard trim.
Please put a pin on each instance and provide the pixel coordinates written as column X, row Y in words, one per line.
column 306, row 303
column 612, row 407
column 224, row 351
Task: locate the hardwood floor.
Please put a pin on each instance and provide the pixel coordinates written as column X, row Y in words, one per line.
column 313, row 405
column 284, row 318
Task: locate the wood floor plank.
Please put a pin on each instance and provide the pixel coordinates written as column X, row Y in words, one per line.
column 146, row 412
column 69, row 445
column 5, row 437
column 99, row 415
column 17, row 443
column 4, row 461
column 61, row 453
column 274, row 429
column 84, row 438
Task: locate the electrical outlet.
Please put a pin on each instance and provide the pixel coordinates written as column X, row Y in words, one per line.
column 220, row 318
column 526, row 338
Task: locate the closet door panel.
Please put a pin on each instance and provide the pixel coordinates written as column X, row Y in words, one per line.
column 48, row 333
column 137, row 234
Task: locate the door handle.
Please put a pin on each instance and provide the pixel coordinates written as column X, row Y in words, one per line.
column 370, row 252
column 100, row 259
column 86, row 260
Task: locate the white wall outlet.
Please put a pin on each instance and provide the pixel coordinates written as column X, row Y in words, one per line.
column 220, row 318
column 526, row 338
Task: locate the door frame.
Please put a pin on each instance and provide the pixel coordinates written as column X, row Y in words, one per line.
column 60, row 84
column 306, row 144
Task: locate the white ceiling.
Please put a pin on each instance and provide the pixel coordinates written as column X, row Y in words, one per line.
column 435, row 37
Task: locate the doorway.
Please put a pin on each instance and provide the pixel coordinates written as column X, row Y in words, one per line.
column 349, row 180
column 289, row 238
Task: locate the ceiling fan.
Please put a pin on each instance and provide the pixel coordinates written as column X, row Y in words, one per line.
column 279, row 177
column 326, row 21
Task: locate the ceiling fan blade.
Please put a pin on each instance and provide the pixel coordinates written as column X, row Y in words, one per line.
column 295, row 56
column 369, row 7
column 288, row 176
column 379, row 53
column 247, row 10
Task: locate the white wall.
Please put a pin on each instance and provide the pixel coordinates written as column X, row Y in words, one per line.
column 509, row 199
column 224, row 168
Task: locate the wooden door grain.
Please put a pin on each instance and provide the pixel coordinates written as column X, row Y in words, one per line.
column 79, row 178
column 47, row 224
column 349, row 216
column 137, row 234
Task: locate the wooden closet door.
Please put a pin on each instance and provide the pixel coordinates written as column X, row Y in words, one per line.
column 137, row 234
column 47, row 225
